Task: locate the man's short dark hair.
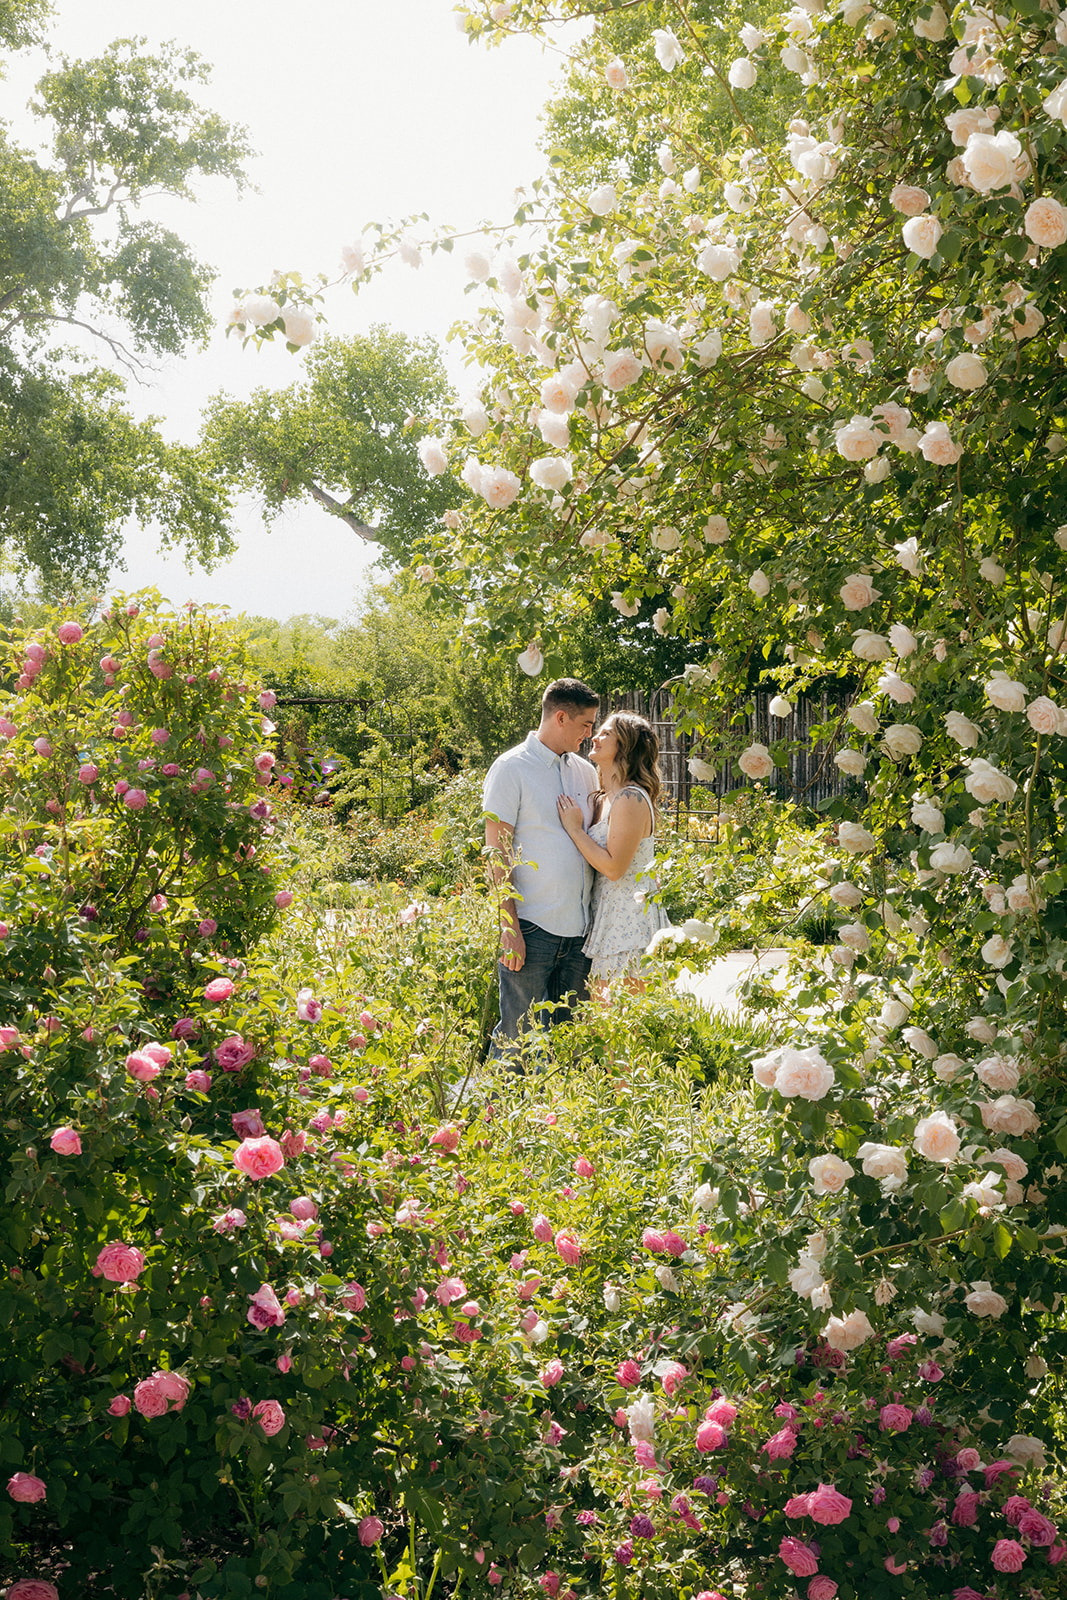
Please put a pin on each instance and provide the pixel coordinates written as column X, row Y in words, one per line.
column 570, row 695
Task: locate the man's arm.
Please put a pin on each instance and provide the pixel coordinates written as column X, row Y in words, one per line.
column 498, row 839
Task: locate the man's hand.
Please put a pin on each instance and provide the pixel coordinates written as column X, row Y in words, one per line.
column 514, row 948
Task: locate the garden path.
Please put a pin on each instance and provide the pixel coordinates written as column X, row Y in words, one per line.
column 716, row 988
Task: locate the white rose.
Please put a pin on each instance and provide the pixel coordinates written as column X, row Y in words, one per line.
column 666, row 538
column 431, row 453
column 931, row 1323
column 855, row 936
column 908, row 200
column 998, row 951
column 477, row 265
column 1005, row 693
column 947, row 1067
column 983, row 1300
column 353, row 260
column 901, row 739
column 931, row 23
column 1026, row 1450
column 641, row 1416
column 920, row 1041
column 893, row 1013
column 851, row 762
column 702, row 771
column 981, row 1031
column 987, row 783
column 846, row 894
column 624, row 607
column 716, row 530
column 661, row 620
column 621, row 369
column 603, row 200
column 829, row 1174
column 876, row 471
column 705, row 1197
column 966, row 371
column 857, row 440
column 742, row 73
column 552, row 473
column 848, row 1333
column 261, row 311
column 558, row 394
column 760, row 584
column 971, row 119
column 612, row 1298
column 903, row 640
column 951, row 858
column 531, row 661
column 761, row 324
column 870, row 646
column 802, row 1074
column 666, row 1279
column 897, row 688
column 780, row 707
column 928, row 817
column 705, row 932
column 1044, row 715
column 936, row 1138
column 991, row 571
column 709, row 349
column 855, row 839
column 756, row 762
column 615, row 75
column 922, row 235
column 966, row 733
column 669, row 52
column 938, row 446
column 883, row 1161
column 475, row 418
column 499, row 488
column 1007, row 1114
column 805, row 1278
column 989, row 160
column 1046, row 223
column 863, row 719
column 718, row 261
column 858, row 591
column 998, row 1072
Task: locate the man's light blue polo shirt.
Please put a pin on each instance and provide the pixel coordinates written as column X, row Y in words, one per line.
column 521, row 789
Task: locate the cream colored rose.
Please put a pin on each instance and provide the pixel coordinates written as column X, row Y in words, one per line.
column 760, row 584
column 863, row 719
column 901, row 739
column 797, row 320
column 846, row 894
column 756, row 762
column 936, row 1138
column 1026, row 320
column 989, row 160
column 716, row 530
column 966, row 371
column 803, row 1074
column 893, row 1013
column 1043, row 715
column 552, row 473
column 1046, row 223
column 908, row 200
column 858, row 591
column 948, row 1066
column 603, row 200
column 938, row 446
column 998, row 1072
column 851, row 762
column 531, row 661
column 922, row 235
column 928, row 817
column 987, row 783
column 1026, row 1450
column 908, row 557
column 920, row 1041
column 854, row 838
column 991, row 572
column 1005, row 693
column 902, row 640
column 962, row 124
column 666, row 538
column 883, row 1161
column 829, row 1174
column 1015, row 1167
column 981, row 1031
column 1007, row 1114
column 615, row 75
column 780, row 707
column 765, row 1069
column 625, row 608
column 960, row 728
column 870, row 646
column 621, row 369
column 857, row 440
column 848, row 1333
column 951, row 858
column 855, row 936
column 984, row 1301
column 897, row 688
column 931, row 23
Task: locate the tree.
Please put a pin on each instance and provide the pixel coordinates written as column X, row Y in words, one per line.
column 343, row 437
column 80, row 250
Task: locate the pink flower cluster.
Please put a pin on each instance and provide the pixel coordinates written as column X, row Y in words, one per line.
column 161, row 1392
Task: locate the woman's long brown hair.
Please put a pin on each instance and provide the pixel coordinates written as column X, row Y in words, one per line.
column 637, row 756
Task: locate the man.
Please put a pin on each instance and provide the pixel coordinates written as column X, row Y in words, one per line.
column 543, row 919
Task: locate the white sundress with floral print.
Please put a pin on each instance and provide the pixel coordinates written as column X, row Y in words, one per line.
column 622, row 922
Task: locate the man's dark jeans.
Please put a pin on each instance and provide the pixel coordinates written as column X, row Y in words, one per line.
column 555, row 970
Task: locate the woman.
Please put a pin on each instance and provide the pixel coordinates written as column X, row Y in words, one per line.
column 620, row 845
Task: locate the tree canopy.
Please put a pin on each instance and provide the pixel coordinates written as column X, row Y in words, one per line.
column 79, row 249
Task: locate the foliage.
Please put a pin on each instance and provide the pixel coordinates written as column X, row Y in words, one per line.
column 80, row 249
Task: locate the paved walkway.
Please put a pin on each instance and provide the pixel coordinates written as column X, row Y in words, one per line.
column 716, row 988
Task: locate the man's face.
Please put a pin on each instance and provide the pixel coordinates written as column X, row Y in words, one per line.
column 578, row 728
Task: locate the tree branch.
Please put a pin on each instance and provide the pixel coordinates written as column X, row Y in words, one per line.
column 338, row 510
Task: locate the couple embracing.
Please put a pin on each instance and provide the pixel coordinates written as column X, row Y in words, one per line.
column 569, row 840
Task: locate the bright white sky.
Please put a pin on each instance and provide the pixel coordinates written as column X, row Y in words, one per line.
column 361, row 110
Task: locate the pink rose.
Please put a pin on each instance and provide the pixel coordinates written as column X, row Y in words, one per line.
column 1037, row 1528
column 568, row 1247
column 173, row 1387
column 233, row 1053
column 1008, row 1555
column 248, row 1124
column 119, row 1406
column 822, row 1588
column 141, row 1066
column 26, row 1489
column 798, row 1557
column 891, row 1565
column 270, row 1416
column 798, row 1505
column 219, row 989
column 542, row 1228
column 895, row 1348
column 653, row 1240
column 265, row 1310
column 283, row 899
column 781, row 1444
column 33, row 1589
column 370, row 1531
column 674, row 1244
column 965, row 1511
column 673, row 1377
column 120, row 1263
column 308, row 1009
column 446, row 1138
column 894, row 1418
column 66, row 1142
column 161, row 1392
column 554, row 1372
column 135, row 799
column 628, row 1374
column 828, row 1506
column 206, row 927
column 354, row 1297
column 303, row 1208
column 88, row 773
column 259, row 1158
column 69, row 633
column 722, row 1412
column 710, row 1436
column 198, row 1081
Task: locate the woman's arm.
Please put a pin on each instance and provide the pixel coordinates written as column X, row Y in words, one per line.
column 628, row 824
